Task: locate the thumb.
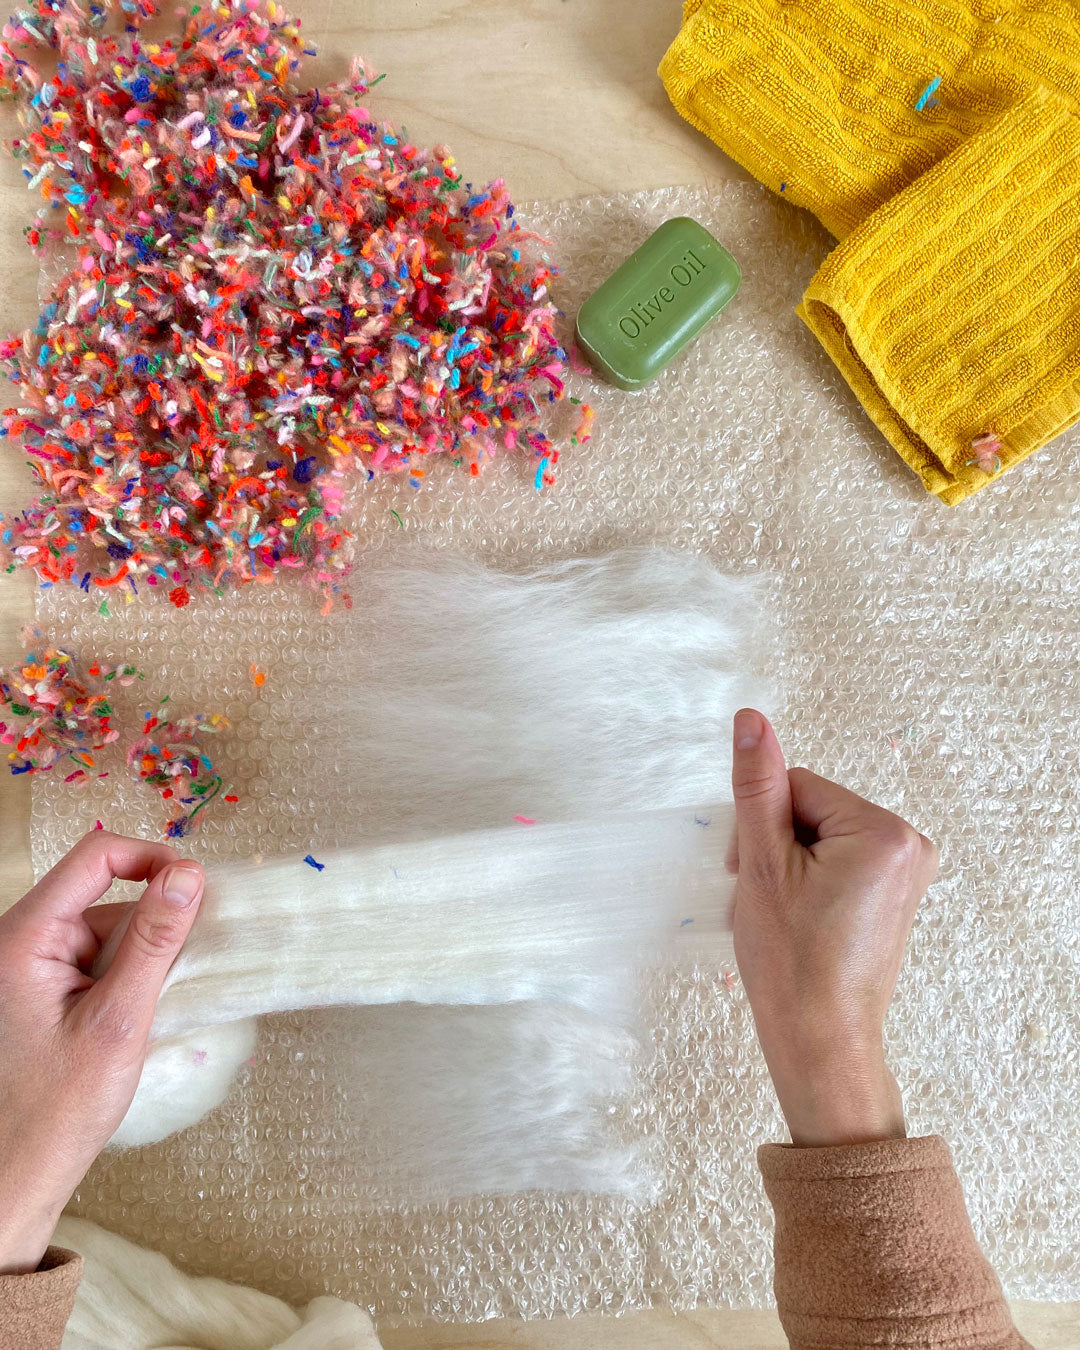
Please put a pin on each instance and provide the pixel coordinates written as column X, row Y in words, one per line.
column 759, row 783
column 157, row 929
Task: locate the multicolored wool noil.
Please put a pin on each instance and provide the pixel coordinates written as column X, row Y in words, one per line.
column 52, row 714
column 263, row 296
column 170, row 757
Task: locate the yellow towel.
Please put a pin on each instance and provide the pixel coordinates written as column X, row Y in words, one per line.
column 954, row 311
column 819, row 96
column 952, row 306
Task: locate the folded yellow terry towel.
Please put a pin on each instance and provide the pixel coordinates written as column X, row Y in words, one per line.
column 954, row 311
column 820, row 96
column 952, row 306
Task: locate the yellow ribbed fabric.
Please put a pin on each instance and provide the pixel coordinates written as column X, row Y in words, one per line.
column 819, row 95
column 952, row 305
column 955, row 309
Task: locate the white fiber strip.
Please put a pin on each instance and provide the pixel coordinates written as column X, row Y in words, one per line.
column 537, row 916
column 492, row 916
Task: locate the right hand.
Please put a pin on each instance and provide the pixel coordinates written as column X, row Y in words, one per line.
column 828, row 885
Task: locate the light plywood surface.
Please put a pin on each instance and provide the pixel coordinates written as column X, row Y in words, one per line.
column 1046, row 1326
column 560, row 97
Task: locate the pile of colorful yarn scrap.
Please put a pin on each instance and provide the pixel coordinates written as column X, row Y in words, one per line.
column 262, row 295
column 170, row 757
column 53, row 714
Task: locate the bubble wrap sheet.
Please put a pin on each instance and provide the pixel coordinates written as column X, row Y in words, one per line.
column 932, row 663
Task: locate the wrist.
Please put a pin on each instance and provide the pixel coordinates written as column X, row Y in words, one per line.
column 24, row 1236
column 837, row 1093
column 28, row 1217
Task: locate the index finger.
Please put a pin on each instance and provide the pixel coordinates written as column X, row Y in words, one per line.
column 87, row 871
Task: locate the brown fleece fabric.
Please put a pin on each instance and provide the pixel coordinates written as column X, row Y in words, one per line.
column 34, row 1309
column 874, row 1246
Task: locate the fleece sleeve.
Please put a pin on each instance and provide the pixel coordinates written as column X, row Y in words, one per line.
column 874, row 1247
column 34, row 1308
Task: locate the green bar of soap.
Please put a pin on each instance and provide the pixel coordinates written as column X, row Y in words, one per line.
column 658, row 301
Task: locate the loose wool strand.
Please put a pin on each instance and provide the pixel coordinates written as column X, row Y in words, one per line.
column 493, row 916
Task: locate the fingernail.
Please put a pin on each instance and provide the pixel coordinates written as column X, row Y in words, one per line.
column 749, row 729
column 182, row 884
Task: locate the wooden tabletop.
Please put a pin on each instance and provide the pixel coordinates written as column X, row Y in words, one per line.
column 560, row 98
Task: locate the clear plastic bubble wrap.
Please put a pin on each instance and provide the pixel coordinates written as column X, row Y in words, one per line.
column 932, row 661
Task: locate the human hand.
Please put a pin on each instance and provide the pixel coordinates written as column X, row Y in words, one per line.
column 828, row 885
column 71, row 1047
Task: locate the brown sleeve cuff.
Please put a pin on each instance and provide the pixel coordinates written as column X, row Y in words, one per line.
column 785, row 1162
column 874, row 1246
column 34, row 1308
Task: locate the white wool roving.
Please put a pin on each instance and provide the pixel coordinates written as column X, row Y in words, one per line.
column 131, row 1299
column 558, row 914
column 468, row 696
column 444, row 1101
column 522, row 1096
column 491, row 916
column 522, row 760
column 184, row 1078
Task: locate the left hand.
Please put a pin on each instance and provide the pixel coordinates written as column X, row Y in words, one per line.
column 71, row 1047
